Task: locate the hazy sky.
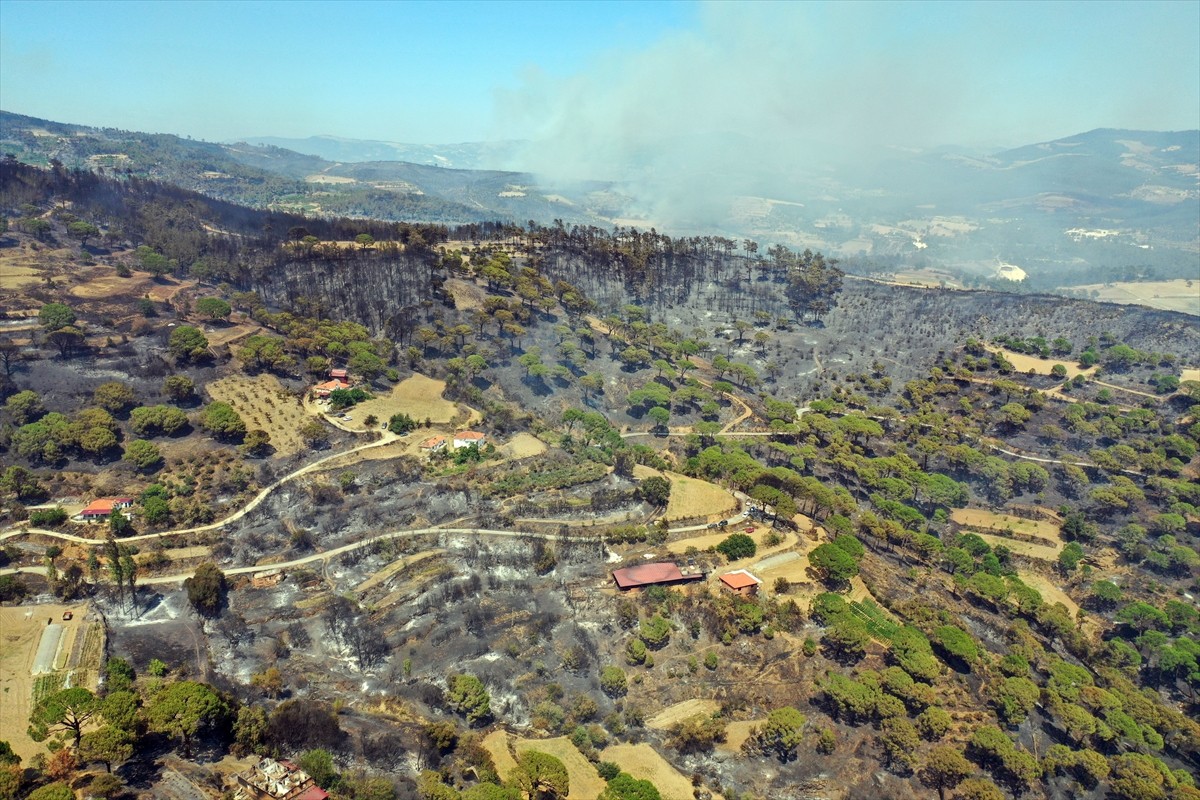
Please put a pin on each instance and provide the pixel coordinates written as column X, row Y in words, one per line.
column 881, row 73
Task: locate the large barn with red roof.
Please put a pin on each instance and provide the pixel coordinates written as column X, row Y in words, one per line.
column 659, row 573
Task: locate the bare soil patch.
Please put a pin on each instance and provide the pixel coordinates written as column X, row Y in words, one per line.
column 681, row 711
column 21, row 629
column 644, row 762
column 266, row 405
column 1190, row 374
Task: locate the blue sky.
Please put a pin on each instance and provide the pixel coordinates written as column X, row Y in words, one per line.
column 907, row 74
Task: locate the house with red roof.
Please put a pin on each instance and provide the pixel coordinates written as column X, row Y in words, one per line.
column 324, row 389
column 660, row 573
column 433, row 444
column 102, row 508
column 741, row 582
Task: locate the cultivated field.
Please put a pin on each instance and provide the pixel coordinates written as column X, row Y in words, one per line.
column 643, row 761
column 691, row 497
column 1177, row 295
column 264, row 404
column 1042, row 366
column 76, row 655
column 418, row 396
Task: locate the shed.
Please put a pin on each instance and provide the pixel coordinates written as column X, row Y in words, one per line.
column 741, row 582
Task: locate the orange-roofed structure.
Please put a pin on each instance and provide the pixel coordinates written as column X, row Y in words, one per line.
column 102, row 508
column 657, row 574
column 433, row 443
column 324, row 389
column 741, row 582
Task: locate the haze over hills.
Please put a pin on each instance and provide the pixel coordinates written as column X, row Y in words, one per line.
column 1102, row 205
column 463, row 155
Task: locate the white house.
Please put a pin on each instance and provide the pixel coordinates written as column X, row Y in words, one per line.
column 468, row 438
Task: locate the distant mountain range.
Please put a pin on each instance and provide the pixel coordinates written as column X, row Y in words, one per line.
column 1123, row 201
column 465, row 155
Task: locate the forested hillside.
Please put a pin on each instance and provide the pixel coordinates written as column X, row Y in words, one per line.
column 352, row 493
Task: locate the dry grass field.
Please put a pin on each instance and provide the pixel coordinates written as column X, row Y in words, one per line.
column 103, row 282
column 681, row 711
column 1045, row 552
column 1042, row 366
column 400, row 564
column 1176, row 295
column 418, row 396
column 13, row 276
column 20, row 266
column 496, row 743
column 264, row 404
column 229, row 334
column 1005, row 524
column 736, row 733
column 691, row 497
column 467, row 296
column 793, row 566
column 1190, row 374
column 175, row 553
column 523, row 445
column 79, row 652
column 1050, row 591
column 586, row 783
column 644, row 762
